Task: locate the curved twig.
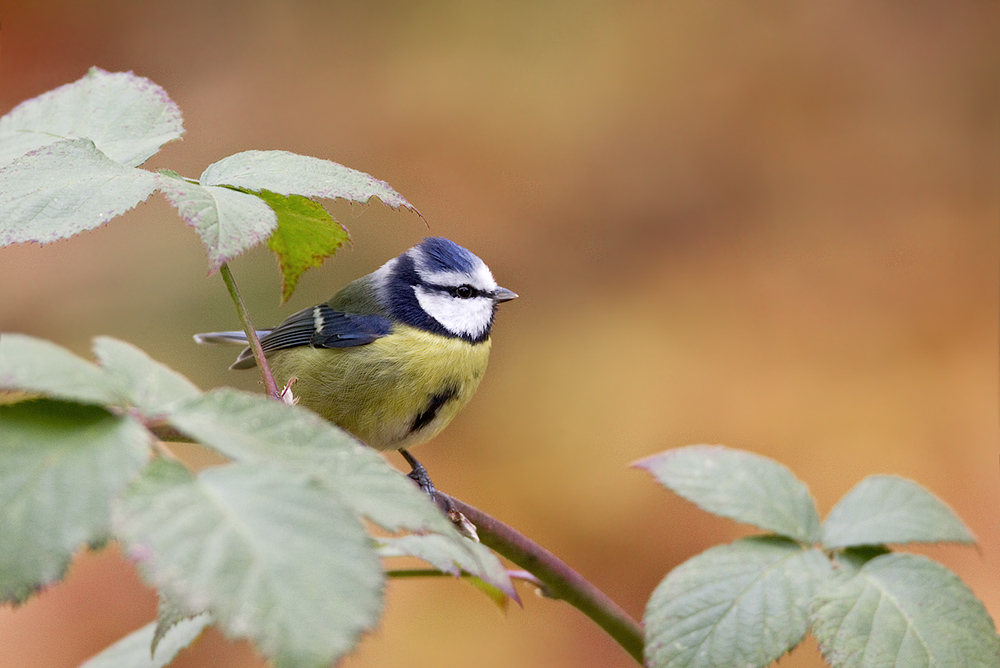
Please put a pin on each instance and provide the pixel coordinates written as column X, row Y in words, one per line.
column 560, row 580
column 244, row 315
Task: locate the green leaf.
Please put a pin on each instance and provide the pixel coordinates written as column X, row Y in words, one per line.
column 128, row 117
column 890, row 509
column 228, row 221
column 150, row 386
column 133, row 651
column 499, row 597
column 60, row 466
column 254, row 429
column 306, row 236
column 742, row 604
column 273, row 556
column 739, row 485
column 64, row 188
column 292, row 174
column 377, row 491
column 39, row 366
column 169, row 613
column 903, row 610
column 450, row 556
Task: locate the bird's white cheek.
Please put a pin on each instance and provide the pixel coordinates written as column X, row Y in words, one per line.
column 465, row 317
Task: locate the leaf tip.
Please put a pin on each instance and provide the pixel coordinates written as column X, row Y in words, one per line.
column 139, row 553
column 648, row 462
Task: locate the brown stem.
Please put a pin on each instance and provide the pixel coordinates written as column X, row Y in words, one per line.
column 244, row 315
column 560, row 580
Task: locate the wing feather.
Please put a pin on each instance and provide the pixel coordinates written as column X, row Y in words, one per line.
column 319, row 327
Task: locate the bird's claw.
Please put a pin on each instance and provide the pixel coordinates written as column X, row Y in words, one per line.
column 419, row 475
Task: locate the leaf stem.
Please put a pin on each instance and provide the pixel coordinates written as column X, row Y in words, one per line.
column 561, row 581
column 524, row 576
column 244, row 315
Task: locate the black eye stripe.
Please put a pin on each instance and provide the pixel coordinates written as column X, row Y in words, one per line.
column 458, row 291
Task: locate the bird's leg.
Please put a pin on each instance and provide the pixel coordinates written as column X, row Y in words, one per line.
column 419, row 475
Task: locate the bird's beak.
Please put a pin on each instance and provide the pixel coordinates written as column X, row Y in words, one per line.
column 503, row 295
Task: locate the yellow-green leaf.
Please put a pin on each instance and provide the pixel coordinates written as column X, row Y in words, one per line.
column 305, row 237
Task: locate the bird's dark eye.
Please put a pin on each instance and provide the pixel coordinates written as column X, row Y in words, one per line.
column 464, row 291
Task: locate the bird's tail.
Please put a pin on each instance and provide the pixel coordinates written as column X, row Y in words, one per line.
column 234, row 338
column 245, row 360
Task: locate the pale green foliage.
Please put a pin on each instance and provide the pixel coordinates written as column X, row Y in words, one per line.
column 292, row 174
column 128, row 117
column 133, row 651
column 269, row 552
column 739, row 485
column 60, row 466
column 448, row 556
column 169, row 614
column 251, row 428
column 63, row 171
column 69, row 162
column 749, row 602
column 228, row 221
column 743, row 604
column 903, row 610
column 271, row 545
column 890, row 509
column 34, row 365
column 65, row 188
column 148, row 385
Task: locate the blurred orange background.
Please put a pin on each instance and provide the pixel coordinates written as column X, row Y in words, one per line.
column 768, row 225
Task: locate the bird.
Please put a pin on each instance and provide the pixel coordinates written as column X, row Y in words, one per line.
column 394, row 355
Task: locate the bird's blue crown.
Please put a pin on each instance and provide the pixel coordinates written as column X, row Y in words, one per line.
column 443, row 254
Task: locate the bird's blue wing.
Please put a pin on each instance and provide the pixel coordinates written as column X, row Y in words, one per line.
column 319, row 327
column 322, row 327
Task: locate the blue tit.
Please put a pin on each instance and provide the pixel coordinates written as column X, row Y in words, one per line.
column 394, row 355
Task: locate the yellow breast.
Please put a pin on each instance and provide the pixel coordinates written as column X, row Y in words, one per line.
column 395, row 392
